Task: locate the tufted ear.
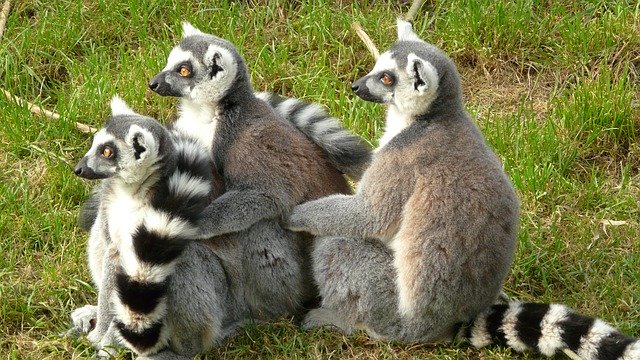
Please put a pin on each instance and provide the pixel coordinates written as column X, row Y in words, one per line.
column 216, row 59
column 119, row 107
column 423, row 74
column 405, row 31
column 141, row 141
column 189, row 30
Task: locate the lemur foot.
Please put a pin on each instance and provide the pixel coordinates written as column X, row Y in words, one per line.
column 83, row 320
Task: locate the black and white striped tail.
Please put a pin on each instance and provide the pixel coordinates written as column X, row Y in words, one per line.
column 549, row 329
column 150, row 261
column 347, row 152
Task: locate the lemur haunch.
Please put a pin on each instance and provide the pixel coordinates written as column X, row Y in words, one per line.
column 267, row 166
column 159, row 293
column 424, row 245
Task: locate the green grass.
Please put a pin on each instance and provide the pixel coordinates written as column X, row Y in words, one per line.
column 553, row 86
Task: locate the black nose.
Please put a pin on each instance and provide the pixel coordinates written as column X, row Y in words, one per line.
column 153, row 85
column 355, row 87
column 78, row 170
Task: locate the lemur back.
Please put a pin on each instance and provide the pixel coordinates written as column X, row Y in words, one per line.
column 423, row 247
column 267, row 165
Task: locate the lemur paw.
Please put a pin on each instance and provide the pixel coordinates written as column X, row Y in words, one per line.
column 83, row 320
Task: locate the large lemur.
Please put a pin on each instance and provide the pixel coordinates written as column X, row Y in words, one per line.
column 160, row 293
column 267, row 165
column 424, row 245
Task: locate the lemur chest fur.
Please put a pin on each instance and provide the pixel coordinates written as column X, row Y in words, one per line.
column 396, row 121
column 199, row 121
column 125, row 213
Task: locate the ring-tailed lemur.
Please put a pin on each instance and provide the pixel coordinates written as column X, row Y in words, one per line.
column 267, row 165
column 188, row 75
column 160, row 294
column 426, row 242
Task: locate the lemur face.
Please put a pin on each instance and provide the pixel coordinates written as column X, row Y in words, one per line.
column 201, row 68
column 101, row 161
column 127, row 147
column 402, row 76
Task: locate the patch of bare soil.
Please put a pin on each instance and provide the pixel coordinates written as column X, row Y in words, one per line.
column 504, row 90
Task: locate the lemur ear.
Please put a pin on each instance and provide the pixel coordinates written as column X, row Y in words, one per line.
column 423, row 74
column 189, row 30
column 405, row 31
column 119, row 107
column 213, row 59
column 141, row 141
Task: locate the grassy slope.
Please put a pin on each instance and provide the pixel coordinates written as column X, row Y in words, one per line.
column 551, row 85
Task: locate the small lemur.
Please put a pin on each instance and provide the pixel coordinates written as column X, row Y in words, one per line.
column 424, row 245
column 267, row 165
column 159, row 293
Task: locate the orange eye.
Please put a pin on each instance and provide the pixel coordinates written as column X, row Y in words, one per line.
column 184, row 71
column 386, row 79
column 107, row 152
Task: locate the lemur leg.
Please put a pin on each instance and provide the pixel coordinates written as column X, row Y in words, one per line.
column 276, row 273
column 109, row 344
column 104, row 309
column 356, row 280
column 203, row 309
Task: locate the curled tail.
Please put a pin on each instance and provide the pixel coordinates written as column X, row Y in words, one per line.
column 549, row 329
column 149, row 261
column 347, row 152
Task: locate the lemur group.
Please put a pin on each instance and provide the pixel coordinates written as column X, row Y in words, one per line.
column 241, row 212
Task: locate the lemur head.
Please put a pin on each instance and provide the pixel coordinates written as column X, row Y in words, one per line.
column 129, row 147
column 411, row 75
column 202, row 68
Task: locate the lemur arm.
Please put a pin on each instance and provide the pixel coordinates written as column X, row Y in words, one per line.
column 237, row 210
column 344, row 215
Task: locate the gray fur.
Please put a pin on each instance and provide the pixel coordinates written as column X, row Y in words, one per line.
column 266, row 165
column 346, row 151
column 431, row 230
column 424, row 245
column 205, row 297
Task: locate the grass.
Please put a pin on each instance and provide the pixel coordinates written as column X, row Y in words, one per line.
column 553, row 86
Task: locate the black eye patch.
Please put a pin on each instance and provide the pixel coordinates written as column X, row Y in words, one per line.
column 387, row 78
column 185, row 69
column 110, row 147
